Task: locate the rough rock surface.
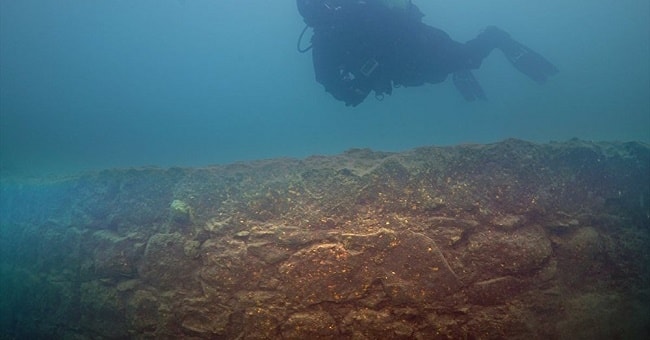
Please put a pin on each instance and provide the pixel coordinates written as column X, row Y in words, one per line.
column 508, row 240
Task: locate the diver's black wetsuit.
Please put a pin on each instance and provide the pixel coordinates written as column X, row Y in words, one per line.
column 362, row 45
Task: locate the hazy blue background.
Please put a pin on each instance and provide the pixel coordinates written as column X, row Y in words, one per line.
column 96, row 84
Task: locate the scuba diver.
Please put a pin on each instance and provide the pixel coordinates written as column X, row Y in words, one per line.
column 359, row 46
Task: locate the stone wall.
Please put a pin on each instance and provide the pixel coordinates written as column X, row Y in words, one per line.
column 508, row 240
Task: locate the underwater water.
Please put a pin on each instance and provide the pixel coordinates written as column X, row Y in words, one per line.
column 523, row 216
column 101, row 84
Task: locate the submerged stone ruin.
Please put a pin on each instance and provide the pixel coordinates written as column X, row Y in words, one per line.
column 507, row 240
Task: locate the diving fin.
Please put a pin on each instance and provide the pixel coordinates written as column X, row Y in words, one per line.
column 528, row 61
column 468, row 86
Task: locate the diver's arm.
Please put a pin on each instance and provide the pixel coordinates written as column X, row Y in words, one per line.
column 331, row 71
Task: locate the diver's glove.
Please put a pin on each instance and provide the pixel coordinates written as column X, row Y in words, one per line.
column 468, row 86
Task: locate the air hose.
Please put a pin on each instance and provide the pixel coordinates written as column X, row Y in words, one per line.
column 301, row 50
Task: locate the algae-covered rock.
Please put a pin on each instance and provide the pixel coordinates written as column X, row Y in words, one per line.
column 115, row 256
column 165, row 262
column 204, row 318
column 103, row 310
column 180, row 212
column 143, row 312
column 314, row 325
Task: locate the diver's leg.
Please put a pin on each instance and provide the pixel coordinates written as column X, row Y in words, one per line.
column 521, row 57
column 446, row 56
column 427, row 55
column 459, row 59
column 480, row 47
column 527, row 61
